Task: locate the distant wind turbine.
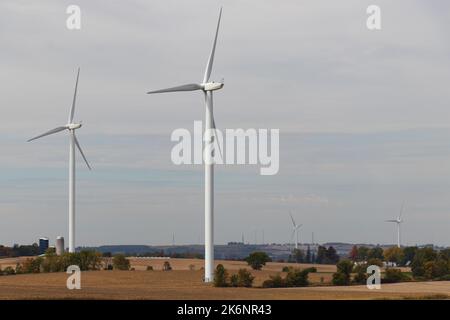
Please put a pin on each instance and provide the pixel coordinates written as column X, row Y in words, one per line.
column 295, row 230
column 207, row 87
column 398, row 221
column 71, row 127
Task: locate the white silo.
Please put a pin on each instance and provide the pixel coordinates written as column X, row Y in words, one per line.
column 59, row 245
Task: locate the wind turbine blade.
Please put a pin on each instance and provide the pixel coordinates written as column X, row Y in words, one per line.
column 48, row 133
column 292, row 236
column 72, row 110
column 214, row 124
column 390, row 221
column 292, row 218
column 211, row 56
column 81, row 151
column 401, row 211
column 186, row 87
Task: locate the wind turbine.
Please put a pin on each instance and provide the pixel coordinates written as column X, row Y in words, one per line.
column 71, row 126
column 207, row 87
column 398, row 221
column 295, row 229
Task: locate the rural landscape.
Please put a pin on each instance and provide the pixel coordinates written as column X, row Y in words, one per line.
column 130, row 169
column 107, row 276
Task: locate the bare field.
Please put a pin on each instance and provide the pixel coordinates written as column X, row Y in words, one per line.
column 183, row 283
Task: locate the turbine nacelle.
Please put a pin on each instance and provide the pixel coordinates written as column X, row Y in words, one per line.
column 73, row 126
column 212, row 86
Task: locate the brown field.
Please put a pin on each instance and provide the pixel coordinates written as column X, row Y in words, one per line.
column 183, row 283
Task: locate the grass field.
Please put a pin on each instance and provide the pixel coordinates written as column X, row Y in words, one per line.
column 184, row 283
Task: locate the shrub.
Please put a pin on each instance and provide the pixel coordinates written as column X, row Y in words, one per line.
column 360, row 278
column 245, row 278
column 89, row 260
column 286, row 269
column 435, row 269
column 120, row 262
column 340, row 279
column 311, row 269
column 294, row 278
column 167, row 266
column 234, row 280
column 297, row 278
column 274, row 282
column 444, row 278
column 9, row 271
column 52, row 262
column 32, row 265
column 361, row 274
column 392, row 275
column 19, row 268
column 257, row 260
column 220, row 276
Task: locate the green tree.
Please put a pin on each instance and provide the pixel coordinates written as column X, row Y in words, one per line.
column 435, row 269
column 363, row 253
column 327, row 256
column 120, row 262
column 445, row 254
column 220, row 276
column 332, row 256
column 422, row 256
column 408, row 255
column 321, row 255
column 375, row 253
column 343, row 275
column 297, row 278
column 257, row 260
column 360, row 271
column 394, row 254
column 308, row 255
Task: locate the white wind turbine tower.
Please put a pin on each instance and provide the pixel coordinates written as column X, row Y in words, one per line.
column 295, row 230
column 398, row 221
column 207, row 87
column 71, row 127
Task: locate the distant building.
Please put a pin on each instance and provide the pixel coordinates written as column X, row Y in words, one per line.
column 43, row 245
column 59, row 245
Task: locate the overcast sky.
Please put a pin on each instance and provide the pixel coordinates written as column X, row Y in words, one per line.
column 363, row 116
